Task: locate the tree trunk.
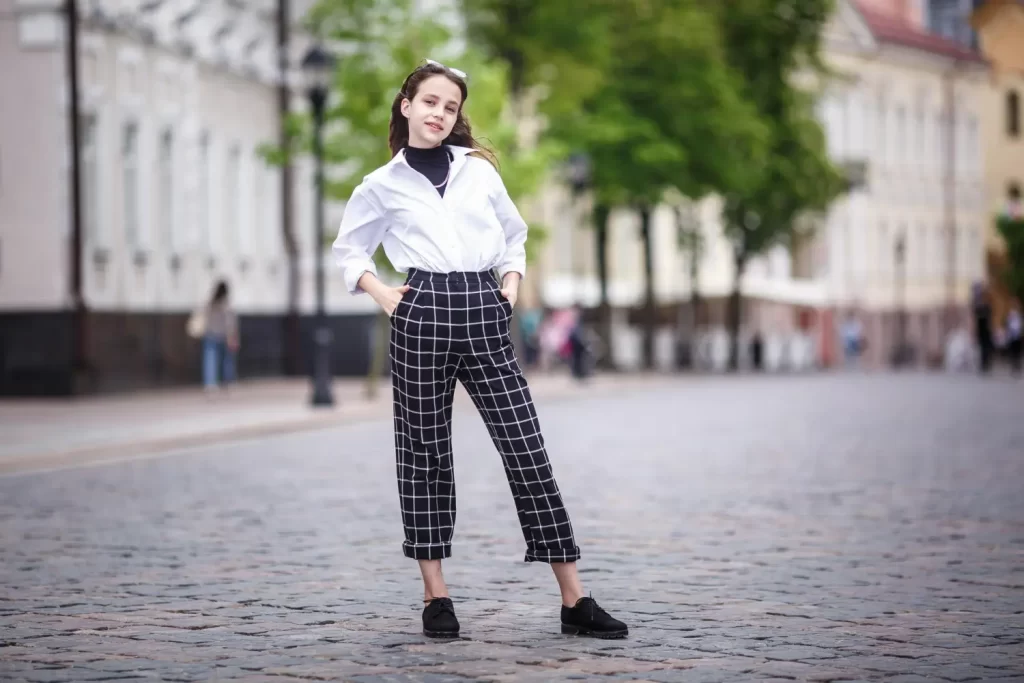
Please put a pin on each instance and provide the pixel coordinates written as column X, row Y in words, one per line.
column 695, row 298
column 735, row 313
column 292, row 326
column 688, row 226
column 649, row 311
column 602, row 214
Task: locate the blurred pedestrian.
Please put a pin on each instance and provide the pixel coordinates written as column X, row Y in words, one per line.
column 982, row 309
column 444, row 217
column 218, row 327
column 757, row 351
column 1015, row 338
column 529, row 324
column 580, row 349
column 853, row 340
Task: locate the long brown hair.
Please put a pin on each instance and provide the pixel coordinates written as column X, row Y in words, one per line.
column 462, row 132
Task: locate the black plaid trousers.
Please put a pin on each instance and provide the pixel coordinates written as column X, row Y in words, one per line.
column 455, row 327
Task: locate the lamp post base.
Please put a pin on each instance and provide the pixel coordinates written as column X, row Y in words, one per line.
column 322, row 394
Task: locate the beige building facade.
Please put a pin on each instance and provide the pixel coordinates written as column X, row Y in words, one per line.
column 910, row 107
column 1000, row 27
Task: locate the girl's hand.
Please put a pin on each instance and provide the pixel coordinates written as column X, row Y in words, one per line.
column 511, row 293
column 510, row 287
column 389, row 297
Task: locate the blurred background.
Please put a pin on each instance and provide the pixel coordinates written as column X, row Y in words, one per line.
column 773, row 185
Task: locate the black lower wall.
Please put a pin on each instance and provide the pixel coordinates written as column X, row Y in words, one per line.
column 127, row 351
column 35, row 353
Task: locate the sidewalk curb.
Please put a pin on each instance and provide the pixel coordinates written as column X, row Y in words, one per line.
column 121, row 452
column 43, row 461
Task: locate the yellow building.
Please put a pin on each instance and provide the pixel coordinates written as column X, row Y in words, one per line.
column 1000, row 27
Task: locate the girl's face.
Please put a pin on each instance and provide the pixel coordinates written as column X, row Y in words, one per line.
column 432, row 112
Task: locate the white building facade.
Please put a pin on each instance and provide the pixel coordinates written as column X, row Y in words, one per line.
column 175, row 99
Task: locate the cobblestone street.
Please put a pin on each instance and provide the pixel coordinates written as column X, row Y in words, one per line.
column 826, row 527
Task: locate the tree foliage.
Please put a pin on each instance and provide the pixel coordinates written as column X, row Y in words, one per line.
column 378, row 42
column 669, row 113
column 1012, row 230
column 771, row 43
column 667, row 119
column 558, row 50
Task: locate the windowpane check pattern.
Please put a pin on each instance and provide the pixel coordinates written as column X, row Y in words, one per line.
column 455, row 327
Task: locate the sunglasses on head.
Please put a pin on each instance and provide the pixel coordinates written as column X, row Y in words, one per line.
column 457, row 72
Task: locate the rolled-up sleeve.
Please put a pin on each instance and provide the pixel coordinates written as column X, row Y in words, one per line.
column 363, row 226
column 514, row 226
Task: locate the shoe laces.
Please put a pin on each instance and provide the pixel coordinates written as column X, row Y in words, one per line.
column 594, row 609
column 443, row 605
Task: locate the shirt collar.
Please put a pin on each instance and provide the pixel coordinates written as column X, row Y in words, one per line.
column 457, row 153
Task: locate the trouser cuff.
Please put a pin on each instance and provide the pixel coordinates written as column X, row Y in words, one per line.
column 427, row 551
column 550, row 555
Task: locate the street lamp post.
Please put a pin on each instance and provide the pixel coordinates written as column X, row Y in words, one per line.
column 318, row 65
column 579, row 180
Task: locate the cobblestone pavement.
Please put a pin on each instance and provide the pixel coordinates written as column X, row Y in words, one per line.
column 795, row 528
column 111, row 427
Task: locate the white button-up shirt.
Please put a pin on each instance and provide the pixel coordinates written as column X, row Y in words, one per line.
column 475, row 227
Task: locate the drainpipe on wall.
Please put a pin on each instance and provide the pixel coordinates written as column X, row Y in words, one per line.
column 949, row 319
column 292, row 332
column 79, row 356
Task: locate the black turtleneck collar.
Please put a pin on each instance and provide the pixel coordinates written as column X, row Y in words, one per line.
column 434, row 163
column 427, row 155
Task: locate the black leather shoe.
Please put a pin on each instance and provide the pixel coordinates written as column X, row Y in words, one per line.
column 586, row 618
column 439, row 619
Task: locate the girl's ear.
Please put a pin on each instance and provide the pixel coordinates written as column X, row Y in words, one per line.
column 406, row 104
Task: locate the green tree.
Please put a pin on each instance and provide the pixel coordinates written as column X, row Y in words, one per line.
column 556, row 51
column 770, row 43
column 1012, row 230
column 667, row 117
column 383, row 41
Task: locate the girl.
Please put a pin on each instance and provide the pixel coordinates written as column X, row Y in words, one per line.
column 445, row 218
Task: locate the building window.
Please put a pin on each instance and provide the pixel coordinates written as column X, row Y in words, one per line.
column 973, row 152
column 921, row 251
column 263, row 223
column 882, row 152
column 1013, row 200
column 951, row 19
column 90, row 179
column 203, row 191
column 130, row 183
column 920, row 135
column 884, row 252
column 271, row 211
column 1013, row 114
column 165, row 178
column 232, row 221
column 972, row 254
column 901, row 135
